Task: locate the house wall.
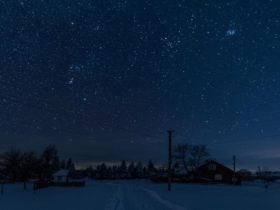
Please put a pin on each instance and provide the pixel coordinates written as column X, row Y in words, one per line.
column 60, row 179
column 216, row 172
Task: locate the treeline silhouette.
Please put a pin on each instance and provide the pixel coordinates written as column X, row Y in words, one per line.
column 123, row 170
column 17, row 166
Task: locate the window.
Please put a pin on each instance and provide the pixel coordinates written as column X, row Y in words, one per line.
column 218, row 177
column 212, row 167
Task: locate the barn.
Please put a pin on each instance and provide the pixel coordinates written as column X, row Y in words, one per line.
column 214, row 172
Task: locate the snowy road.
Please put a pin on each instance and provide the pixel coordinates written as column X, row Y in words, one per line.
column 142, row 194
column 129, row 197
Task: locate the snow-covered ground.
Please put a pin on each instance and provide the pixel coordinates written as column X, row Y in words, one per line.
column 134, row 195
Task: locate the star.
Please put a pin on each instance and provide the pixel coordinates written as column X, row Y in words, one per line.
column 230, row 32
column 71, row 81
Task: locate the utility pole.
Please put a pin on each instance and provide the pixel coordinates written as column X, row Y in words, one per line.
column 234, row 163
column 2, row 187
column 170, row 132
column 234, row 179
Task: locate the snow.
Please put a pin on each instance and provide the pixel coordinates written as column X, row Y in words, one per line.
column 62, row 172
column 134, row 195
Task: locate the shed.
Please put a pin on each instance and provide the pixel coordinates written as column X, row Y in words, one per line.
column 61, row 176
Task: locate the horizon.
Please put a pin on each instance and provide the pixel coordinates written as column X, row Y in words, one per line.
column 260, row 156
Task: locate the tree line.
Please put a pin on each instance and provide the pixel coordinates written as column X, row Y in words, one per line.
column 123, row 170
column 18, row 166
column 186, row 156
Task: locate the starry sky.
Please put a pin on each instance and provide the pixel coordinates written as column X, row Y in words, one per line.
column 105, row 79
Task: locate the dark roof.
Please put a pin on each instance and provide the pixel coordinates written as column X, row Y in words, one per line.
column 214, row 162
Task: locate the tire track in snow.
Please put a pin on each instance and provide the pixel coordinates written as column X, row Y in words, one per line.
column 129, row 197
column 116, row 202
column 166, row 203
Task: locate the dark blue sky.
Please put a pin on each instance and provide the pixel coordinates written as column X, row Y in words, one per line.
column 105, row 79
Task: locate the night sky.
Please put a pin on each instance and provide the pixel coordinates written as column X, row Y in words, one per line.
column 105, row 79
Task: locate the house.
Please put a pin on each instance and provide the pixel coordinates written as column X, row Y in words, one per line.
column 59, row 179
column 214, row 172
column 61, row 176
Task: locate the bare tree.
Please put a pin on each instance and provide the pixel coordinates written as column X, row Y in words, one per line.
column 12, row 162
column 30, row 165
column 198, row 153
column 190, row 156
column 181, row 155
column 50, row 161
